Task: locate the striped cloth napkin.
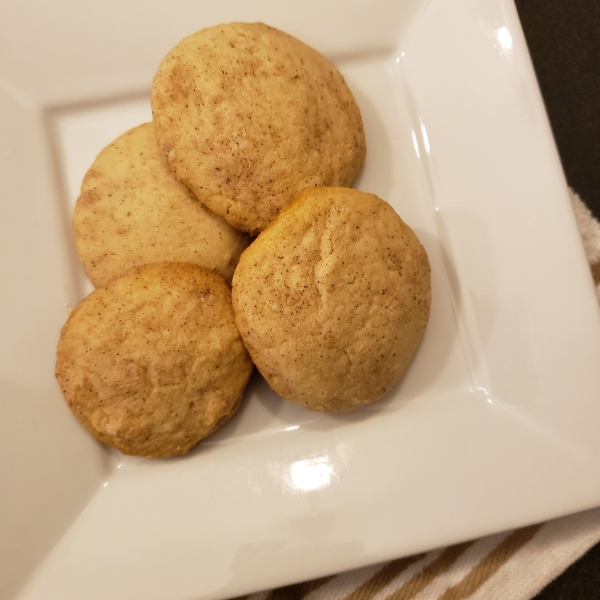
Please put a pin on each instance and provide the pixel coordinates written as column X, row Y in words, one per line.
column 514, row 565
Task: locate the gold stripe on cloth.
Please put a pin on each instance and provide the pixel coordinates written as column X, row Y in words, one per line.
column 491, row 563
column 596, row 272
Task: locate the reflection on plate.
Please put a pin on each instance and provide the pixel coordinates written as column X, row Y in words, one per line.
column 492, row 428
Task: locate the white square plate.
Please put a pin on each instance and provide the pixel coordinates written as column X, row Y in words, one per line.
column 495, row 425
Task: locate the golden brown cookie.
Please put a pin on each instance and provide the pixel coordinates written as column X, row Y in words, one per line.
column 248, row 116
column 132, row 211
column 153, row 362
column 332, row 299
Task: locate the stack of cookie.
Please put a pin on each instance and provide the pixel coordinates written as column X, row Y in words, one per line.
column 253, row 133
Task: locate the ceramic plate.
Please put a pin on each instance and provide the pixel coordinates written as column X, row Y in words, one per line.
column 495, row 425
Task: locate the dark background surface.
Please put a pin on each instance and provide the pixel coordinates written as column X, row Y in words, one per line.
column 564, row 43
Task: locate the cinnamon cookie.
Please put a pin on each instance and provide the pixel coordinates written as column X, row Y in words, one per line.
column 332, row 299
column 248, row 116
column 132, row 211
column 153, row 362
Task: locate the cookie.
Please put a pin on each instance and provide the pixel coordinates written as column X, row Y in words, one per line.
column 332, row 299
column 153, row 362
column 133, row 211
column 247, row 116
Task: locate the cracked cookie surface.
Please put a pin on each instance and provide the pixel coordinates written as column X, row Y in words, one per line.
column 248, row 116
column 153, row 362
column 332, row 299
